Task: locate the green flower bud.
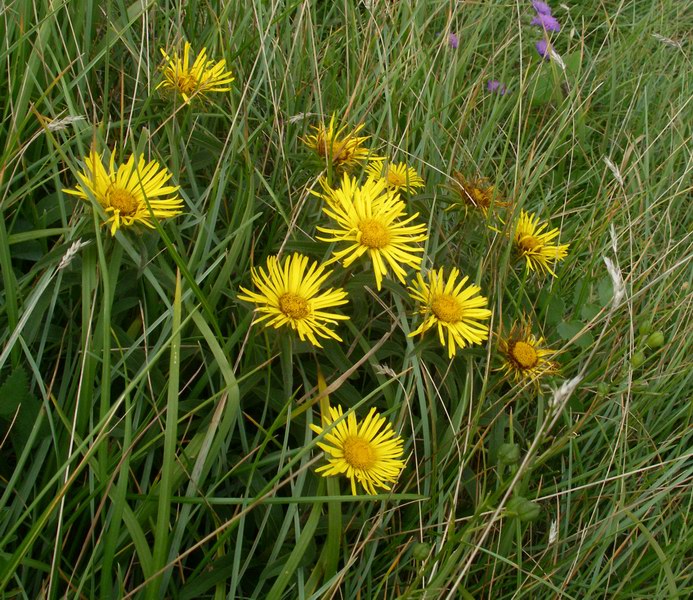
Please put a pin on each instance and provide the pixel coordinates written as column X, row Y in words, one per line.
column 637, row 359
column 645, row 328
column 508, row 454
column 420, row 551
column 603, row 388
column 655, row 340
column 524, row 509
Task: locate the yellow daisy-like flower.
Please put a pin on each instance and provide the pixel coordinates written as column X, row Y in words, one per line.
column 130, row 194
column 399, row 177
column 340, row 148
column 369, row 453
column 524, row 354
column 205, row 75
column 289, row 295
column 475, row 193
column 456, row 310
column 533, row 244
column 372, row 219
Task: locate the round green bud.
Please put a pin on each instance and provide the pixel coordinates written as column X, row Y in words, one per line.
column 655, row 340
column 508, row 454
column 603, row 388
column 420, row 550
column 645, row 328
column 524, row 509
column 637, row 359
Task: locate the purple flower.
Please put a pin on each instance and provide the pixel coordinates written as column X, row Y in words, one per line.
column 548, row 22
column 453, row 40
column 496, row 86
column 541, row 7
column 542, row 47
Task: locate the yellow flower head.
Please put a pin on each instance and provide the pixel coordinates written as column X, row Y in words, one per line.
column 129, row 194
column 456, row 310
column 524, row 355
column 202, row 77
column 289, row 295
column 534, row 244
column 475, row 193
column 373, row 221
column 369, row 453
column 340, row 148
column 399, row 177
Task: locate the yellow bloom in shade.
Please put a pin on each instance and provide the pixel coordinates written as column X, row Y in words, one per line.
column 398, row 177
column 289, row 295
column 524, row 355
column 475, row 193
column 456, row 310
column 533, row 244
column 373, row 221
column 203, row 76
column 368, row 453
column 340, row 148
column 129, row 194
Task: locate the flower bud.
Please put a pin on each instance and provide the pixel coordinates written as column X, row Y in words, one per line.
column 524, row 509
column 645, row 328
column 508, row 454
column 420, row 551
column 603, row 388
column 655, row 340
column 637, row 359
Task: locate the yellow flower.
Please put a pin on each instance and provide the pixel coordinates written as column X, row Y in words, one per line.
column 524, row 354
column 399, row 177
column 368, row 453
column 289, row 295
column 534, row 244
column 341, row 149
column 455, row 309
column 130, row 194
column 372, row 220
column 202, row 77
column 474, row 193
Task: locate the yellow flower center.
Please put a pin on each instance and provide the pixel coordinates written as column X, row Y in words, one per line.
column 395, row 178
column 373, row 234
column 446, row 308
column 528, row 243
column 187, row 83
column 123, row 201
column 524, row 355
column 359, row 453
column 294, row 306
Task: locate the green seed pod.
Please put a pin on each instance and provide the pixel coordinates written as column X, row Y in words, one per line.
column 655, row 340
column 524, row 509
column 420, row 551
column 645, row 328
column 508, row 454
column 637, row 359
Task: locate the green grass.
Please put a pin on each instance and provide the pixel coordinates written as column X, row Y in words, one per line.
column 155, row 445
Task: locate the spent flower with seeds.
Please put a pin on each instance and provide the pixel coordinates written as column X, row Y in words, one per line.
column 399, row 177
column 475, row 193
column 454, row 308
column 372, row 220
column 289, row 295
column 202, row 77
column 368, row 453
column 535, row 244
column 338, row 147
column 524, row 355
column 134, row 192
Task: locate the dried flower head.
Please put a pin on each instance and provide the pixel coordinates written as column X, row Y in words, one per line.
column 474, row 193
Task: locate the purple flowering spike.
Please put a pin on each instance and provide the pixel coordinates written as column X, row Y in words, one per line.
column 541, row 7
column 548, row 22
column 453, row 40
column 542, row 47
column 496, row 86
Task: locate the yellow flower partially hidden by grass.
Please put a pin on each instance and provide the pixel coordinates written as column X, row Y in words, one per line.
column 474, row 193
column 373, row 221
column 398, row 176
column 338, row 147
column 198, row 79
column 453, row 307
column 534, row 244
column 289, row 296
column 134, row 192
column 368, row 453
column 525, row 357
